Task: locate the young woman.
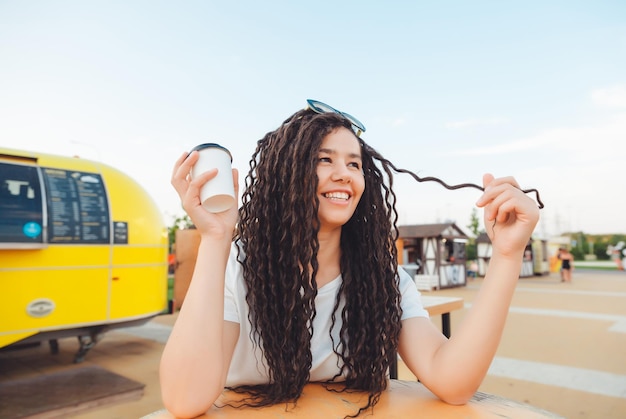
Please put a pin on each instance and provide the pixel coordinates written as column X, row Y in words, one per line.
column 310, row 289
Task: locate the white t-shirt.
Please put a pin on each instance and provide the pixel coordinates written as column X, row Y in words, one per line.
column 248, row 365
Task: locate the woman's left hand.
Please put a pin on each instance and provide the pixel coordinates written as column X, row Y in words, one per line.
column 510, row 216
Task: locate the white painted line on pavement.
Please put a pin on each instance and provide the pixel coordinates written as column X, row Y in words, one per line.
column 590, row 381
column 580, row 379
column 618, row 294
column 614, row 294
column 618, row 326
column 568, row 314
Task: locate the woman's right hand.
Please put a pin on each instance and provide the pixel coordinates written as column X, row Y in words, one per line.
column 216, row 225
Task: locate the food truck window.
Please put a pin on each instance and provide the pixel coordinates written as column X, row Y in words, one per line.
column 21, row 215
column 78, row 209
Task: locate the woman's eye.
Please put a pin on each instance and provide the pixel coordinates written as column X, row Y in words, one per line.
column 325, row 160
column 355, row 165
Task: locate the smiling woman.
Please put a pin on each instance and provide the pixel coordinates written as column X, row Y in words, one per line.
column 301, row 284
column 340, row 179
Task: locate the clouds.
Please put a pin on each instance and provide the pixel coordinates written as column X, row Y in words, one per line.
column 593, row 137
column 585, row 142
column 577, row 167
column 610, row 97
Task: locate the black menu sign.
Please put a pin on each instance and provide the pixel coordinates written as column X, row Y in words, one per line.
column 78, row 210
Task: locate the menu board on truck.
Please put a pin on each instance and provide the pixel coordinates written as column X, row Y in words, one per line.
column 78, row 210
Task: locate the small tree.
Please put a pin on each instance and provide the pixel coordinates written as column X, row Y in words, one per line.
column 178, row 223
column 474, row 228
column 474, row 225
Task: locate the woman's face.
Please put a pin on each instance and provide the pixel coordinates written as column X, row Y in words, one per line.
column 341, row 181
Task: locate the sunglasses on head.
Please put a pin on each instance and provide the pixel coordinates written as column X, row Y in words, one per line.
column 321, row 107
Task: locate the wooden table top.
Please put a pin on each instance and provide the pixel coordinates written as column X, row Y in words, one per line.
column 402, row 400
column 438, row 305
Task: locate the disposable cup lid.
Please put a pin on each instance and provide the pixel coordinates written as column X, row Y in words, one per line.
column 211, row 145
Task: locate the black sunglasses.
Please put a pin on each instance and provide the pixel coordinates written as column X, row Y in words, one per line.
column 321, row 107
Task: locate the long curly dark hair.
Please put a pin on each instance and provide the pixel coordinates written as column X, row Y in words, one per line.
column 278, row 227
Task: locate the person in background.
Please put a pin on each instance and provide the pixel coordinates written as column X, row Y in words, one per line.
column 567, row 264
column 301, row 283
column 472, row 269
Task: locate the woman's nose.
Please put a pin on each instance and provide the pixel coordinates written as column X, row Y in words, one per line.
column 340, row 173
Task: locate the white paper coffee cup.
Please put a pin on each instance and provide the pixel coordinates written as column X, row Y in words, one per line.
column 218, row 194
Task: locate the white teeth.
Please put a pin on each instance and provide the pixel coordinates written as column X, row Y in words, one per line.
column 337, row 195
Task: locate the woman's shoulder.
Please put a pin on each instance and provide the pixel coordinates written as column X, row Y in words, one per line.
column 403, row 274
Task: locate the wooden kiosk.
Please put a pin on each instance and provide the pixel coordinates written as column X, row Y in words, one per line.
column 536, row 258
column 434, row 254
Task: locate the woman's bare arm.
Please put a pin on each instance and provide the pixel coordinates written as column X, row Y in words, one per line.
column 454, row 369
column 197, row 355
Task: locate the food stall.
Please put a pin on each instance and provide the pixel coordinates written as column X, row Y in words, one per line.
column 83, row 249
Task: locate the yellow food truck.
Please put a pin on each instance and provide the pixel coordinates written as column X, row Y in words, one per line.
column 83, row 249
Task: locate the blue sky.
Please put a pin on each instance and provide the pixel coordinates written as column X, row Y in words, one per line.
column 450, row 89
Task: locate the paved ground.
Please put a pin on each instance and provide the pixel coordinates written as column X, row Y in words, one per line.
column 564, row 346
column 564, row 350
